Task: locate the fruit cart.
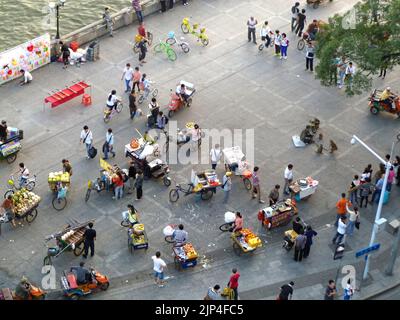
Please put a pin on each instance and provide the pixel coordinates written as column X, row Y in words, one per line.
column 279, row 214
column 12, row 145
column 25, row 206
column 69, row 239
column 137, row 238
column 59, row 183
column 185, row 256
column 245, row 241
column 235, row 161
column 303, row 188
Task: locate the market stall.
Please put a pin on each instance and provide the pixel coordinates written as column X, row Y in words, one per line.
column 235, row 161
column 137, row 237
column 303, row 188
column 245, row 241
column 278, row 214
column 185, row 256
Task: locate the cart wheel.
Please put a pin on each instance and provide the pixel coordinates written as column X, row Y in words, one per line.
column 225, row 227
column 74, row 297
column 204, row 42
column 169, row 239
column 237, row 249
column 59, row 204
column 247, row 184
column 31, row 216
column 87, row 196
column 177, row 264
column 30, row 186
column 301, row 44
column 170, row 113
column 166, row 181
column 189, row 102
column 47, row 261
column 206, row 195
column 104, row 286
column 78, row 250
column 11, row 158
column 173, row 195
column 306, row 198
column 119, row 107
column 261, row 47
column 184, row 28
column 154, row 93
column 8, row 193
column 374, row 110
column 130, row 247
column 125, row 223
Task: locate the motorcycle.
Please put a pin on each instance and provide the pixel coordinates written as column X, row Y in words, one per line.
column 376, row 106
column 109, row 114
column 177, row 103
column 34, row 293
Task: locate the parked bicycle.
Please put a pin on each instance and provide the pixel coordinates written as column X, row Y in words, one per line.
column 28, row 184
column 166, row 48
column 229, row 226
column 110, row 114
column 195, row 30
column 153, row 92
column 171, row 40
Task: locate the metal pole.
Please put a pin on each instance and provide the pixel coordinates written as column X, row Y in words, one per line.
column 369, row 149
column 393, row 255
column 58, row 21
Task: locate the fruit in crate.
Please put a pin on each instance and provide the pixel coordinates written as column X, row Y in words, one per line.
column 254, row 242
column 190, row 251
column 245, row 232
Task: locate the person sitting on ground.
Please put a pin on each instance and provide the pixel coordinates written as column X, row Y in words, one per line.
column 306, row 135
column 82, row 274
column 298, row 226
column 27, row 77
column 180, row 236
column 387, row 97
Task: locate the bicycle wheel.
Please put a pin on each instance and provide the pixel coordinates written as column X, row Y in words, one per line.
column 184, row 28
column 149, row 38
column 87, row 196
column 185, row 47
column 8, row 193
column 171, row 54
column 225, row 227
column 261, row 47
column 59, row 203
column 207, row 195
column 154, row 93
column 119, row 107
column 169, row 239
column 189, row 102
column 247, row 184
column 171, row 41
column 31, row 216
column 47, row 261
column 141, row 99
column 204, row 41
column 125, row 223
column 173, row 195
column 159, row 48
column 30, row 185
column 78, row 250
column 301, row 44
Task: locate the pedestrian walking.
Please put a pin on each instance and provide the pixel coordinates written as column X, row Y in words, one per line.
column 158, row 266
column 330, row 292
column 251, row 29
column 310, row 57
column 348, row 291
column 354, row 216
column 378, row 189
column 355, row 183
column 342, row 65
column 131, row 176
column 118, row 182
column 350, row 72
column 396, row 164
column 108, row 146
column 277, row 43
column 341, row 207
column 301, row 21
column 215, row 154
column 274, row 195
column 256, row 186
column 227, row 185
column 65, row 54
column 288, row 176
column 284, row 46
column 295, row 11
column 310, row 234
column 108, row 20
column 299, row 245
column 67, row 166
column 286, row 292
column 137, row 75
column 132, row 104
column 213, row 293
column 265, row 34
column 87, row 139
column 89, row 238
column 365, row 190
column 138, row 9
column 390, row 179
column 143, row 50
column 234, row 283
column 379, row 173
column 139, row 184
column 128, row 76
column 333, row 70
column 340, row 231
column 383, row 71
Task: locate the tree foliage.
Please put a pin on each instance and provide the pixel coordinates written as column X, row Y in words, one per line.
column 368, row 35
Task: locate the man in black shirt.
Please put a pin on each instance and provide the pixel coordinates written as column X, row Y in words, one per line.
column 82, row 274
column 90, row 236
column 286, row 291
column 65, row 54
column 3, row 130
column 301, row 20
column 298, row 226
column 330, row 291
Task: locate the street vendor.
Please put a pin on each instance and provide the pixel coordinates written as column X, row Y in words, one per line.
column 298, row 226
column 3, row 131
column 8, row 207
column 274, row 195
column 180, row 236
column 238, row 222
column 67, row 166
column 133, row 215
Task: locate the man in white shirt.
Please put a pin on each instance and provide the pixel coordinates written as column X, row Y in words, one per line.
column 109, row 144
column 288, row 178
column 340, row 232
column 159, row 265
column 350, row 71
column 215, row 155
column 23, row 174
column 128, row 74
column 27, row 77
column 87, row 139
column 251, row 26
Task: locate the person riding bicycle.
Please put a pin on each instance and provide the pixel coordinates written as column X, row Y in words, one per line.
column 387, row 97
column 23, row 174
column 313, row 29
column 23, row 288
column 180, row 236
column 112, row 100
column 181, row 92
column 144, row 85
column 133, row 215
column 238, row 224
column 82, row 274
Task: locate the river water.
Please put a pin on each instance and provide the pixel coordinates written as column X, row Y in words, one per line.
column 23, row 20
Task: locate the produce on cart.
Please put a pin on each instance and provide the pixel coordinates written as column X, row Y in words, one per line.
column 24, row 201
column 303, row 188
column 58, row 177
column 207, row 179
column 137, row 237
column 236, row 162
column 185, row 256
column 278, row 214
column 245, row 241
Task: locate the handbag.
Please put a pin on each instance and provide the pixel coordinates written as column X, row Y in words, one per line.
column 357, row 225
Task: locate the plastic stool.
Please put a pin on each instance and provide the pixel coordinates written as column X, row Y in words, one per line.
column 86, row 100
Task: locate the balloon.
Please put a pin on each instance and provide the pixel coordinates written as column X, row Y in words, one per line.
column 14, row 62
column 30, row 48
column 9, row 72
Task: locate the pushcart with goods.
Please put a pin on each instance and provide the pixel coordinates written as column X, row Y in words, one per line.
column 235, row 161
column 59, row 183
column 12, row 145
column 137, row 238
column 245, row 241
column 185, row 256
column 279, row 214
column 303, row 188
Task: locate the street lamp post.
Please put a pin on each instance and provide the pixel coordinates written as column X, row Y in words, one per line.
column 379, row 210
column 58, row 5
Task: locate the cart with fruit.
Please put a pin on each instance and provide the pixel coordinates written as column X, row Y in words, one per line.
column 185, row 256
column 137, row 238
column 59, row 183
column 69, row 239
column 25, row 205
column 245, row 241
column 279, row 214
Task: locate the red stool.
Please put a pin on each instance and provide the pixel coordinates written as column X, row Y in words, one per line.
column 86, row 100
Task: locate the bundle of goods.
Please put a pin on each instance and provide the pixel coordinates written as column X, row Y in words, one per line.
column 206, row 179
column 10, row 148
column 55, row 177
column 186, row 252
column 249, row 240
column 24, row 201
column 137, row 233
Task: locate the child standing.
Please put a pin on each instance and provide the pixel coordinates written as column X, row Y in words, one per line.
column 277, row 43
column 284, row 46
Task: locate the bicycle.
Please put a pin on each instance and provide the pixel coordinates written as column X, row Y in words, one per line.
column 194, row 29
column 139, row 38
column 205, row 194
column 227, row 227
column 171, row 40
column 60, row 199
column 109, row 114
column 166, row 48
column 149, row 92
column 271, row 42
column 28, row 184
column 97, row 185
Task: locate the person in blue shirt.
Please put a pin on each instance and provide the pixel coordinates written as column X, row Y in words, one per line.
column 310, row 233
column 378, row 190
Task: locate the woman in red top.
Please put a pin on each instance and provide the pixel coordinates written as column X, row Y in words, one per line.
column 8, row 207
column 118, row 181
column 238, row 222
column 234, row 283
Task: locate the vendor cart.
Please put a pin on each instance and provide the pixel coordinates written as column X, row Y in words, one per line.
column 279, row 214
column 235, row 161
column 204, row 184
column 303, row 188
column 245, row 241
column 185, row 256
column 59, row 183
column 69, row 239
column 12, row 145
column 137, row 238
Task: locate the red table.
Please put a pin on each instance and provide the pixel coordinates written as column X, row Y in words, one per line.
column 67, row 94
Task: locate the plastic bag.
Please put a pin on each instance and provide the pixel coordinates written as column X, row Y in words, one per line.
column 230, row 217
column 168, row 231
column 125, row 215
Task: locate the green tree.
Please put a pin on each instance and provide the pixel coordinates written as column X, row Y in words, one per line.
column 369, row 36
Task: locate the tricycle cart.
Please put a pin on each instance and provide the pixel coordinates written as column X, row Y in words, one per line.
column 303, row 188
column 137, row 238
column 245, row 241
column 235, row 161
column 69, row 239
column 12, row 145
column 185, row 256
column 59, row 183
column 279, row 214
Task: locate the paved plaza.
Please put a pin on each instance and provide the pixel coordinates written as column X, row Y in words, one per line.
column 238, row 87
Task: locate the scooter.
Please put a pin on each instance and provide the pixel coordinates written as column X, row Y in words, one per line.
column 176, row 103
column 376, row 106
column 35, row 293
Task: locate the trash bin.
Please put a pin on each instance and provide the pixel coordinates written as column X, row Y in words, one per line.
column 93, row 51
